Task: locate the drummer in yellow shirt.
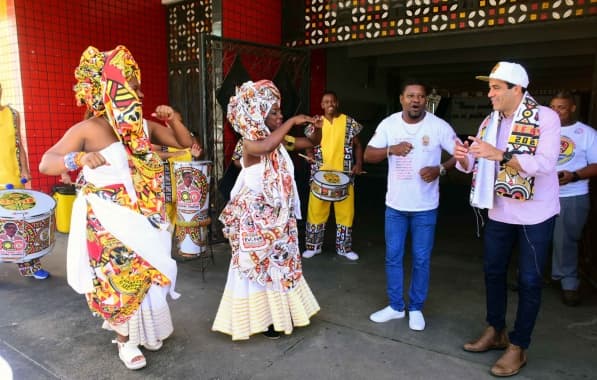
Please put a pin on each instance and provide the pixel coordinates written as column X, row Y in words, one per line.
column 339, row 146
column 14, row 171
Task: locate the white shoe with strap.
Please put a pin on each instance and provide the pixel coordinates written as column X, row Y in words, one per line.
column 127, row 352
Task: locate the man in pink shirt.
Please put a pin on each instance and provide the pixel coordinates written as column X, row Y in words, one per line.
column 513, row 159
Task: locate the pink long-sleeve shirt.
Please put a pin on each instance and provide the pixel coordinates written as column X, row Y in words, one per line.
column 542, row 165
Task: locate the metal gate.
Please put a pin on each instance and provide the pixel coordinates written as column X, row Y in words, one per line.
column 200, row 90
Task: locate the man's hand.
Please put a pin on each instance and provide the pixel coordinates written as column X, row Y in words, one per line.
column 461, row 150
column 357, row 168
column 429, row 173
column 565, row 177
column 482, row 149
column 401, row 149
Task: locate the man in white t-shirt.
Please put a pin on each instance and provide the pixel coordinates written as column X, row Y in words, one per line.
column 576, row 164
column 412, row 141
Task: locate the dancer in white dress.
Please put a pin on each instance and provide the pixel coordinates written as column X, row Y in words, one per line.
column 266, row 290
column 119, row 243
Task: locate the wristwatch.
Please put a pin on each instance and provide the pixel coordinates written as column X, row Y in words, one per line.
column 506, row 159
column 442, row 170
column 575, row 177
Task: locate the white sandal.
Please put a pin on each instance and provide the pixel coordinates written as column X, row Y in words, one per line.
column 127, row 352
column 153, row 347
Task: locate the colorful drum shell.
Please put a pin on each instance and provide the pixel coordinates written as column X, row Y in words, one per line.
column 192, row 206
column 329, row 185
column 33, row 214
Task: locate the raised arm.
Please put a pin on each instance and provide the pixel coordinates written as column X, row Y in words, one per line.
column 176, row 135
column 271, row 142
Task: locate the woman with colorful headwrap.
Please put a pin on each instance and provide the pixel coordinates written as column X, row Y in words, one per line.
column 266, row 291
column 119, row 243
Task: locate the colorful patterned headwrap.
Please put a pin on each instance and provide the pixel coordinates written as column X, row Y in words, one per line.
column 248, row 109
column 103, row 85
column 247, row 112
column 88, row 89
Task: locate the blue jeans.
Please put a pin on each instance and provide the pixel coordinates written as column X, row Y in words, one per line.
column 574, row 212
column 533, row 242
column 422, row 227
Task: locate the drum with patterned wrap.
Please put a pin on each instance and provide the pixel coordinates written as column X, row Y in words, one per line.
column 27, row 225
column 329, row 185
column 192, row 206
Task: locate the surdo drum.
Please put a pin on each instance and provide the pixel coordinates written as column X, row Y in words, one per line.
column 192, row 206
column 27, row 225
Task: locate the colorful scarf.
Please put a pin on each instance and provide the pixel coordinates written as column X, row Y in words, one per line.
column 121, row 277
column 103, row 86
column 247, row 111
column 260, row 226
column 523, row 139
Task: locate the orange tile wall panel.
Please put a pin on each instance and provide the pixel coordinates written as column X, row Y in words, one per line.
column 52, row 34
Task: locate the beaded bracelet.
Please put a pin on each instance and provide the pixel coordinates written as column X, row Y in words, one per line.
column 72, row 160
column 289, row 142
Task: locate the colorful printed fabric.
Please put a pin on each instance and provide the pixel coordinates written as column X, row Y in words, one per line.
column 125, row 114
column 261, row 227
column 121, row 277
column 353, row 128
column 247, row 111
column 523, row 139
column 27, row 268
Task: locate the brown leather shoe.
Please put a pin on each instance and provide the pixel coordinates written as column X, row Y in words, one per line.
column 570, row 297
column 489, row 340
column 511, row 362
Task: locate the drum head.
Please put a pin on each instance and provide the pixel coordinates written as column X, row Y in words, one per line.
column 331, row 178
column 23, row 203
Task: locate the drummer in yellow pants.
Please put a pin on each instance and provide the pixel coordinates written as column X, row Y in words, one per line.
column 339, row 147
column 14, row 173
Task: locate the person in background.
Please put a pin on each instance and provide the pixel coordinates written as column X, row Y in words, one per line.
column 340, row 150
column 266, row 291
column 412, row 141
column 577, row 163
column 513, row 161
column 119, row 249
column 14, row 172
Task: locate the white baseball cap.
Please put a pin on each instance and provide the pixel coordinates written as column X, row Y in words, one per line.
column 508, row 72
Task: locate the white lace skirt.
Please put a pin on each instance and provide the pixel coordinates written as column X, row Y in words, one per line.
column 248, row 308
column 151, row 322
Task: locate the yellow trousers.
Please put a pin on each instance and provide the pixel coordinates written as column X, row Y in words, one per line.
column 319, row 210
column 317, row 216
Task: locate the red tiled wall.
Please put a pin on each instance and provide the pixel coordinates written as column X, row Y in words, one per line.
column 253, row 20
column 53, row 33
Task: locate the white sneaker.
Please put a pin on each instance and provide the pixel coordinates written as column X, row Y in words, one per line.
column 310, row 253
column 416, row 321
column 350, row 255
column 386, row 314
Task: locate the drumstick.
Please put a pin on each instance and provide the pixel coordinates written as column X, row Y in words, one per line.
column 307, row 158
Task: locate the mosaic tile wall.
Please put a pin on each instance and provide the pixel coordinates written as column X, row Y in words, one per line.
column 338, row 21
